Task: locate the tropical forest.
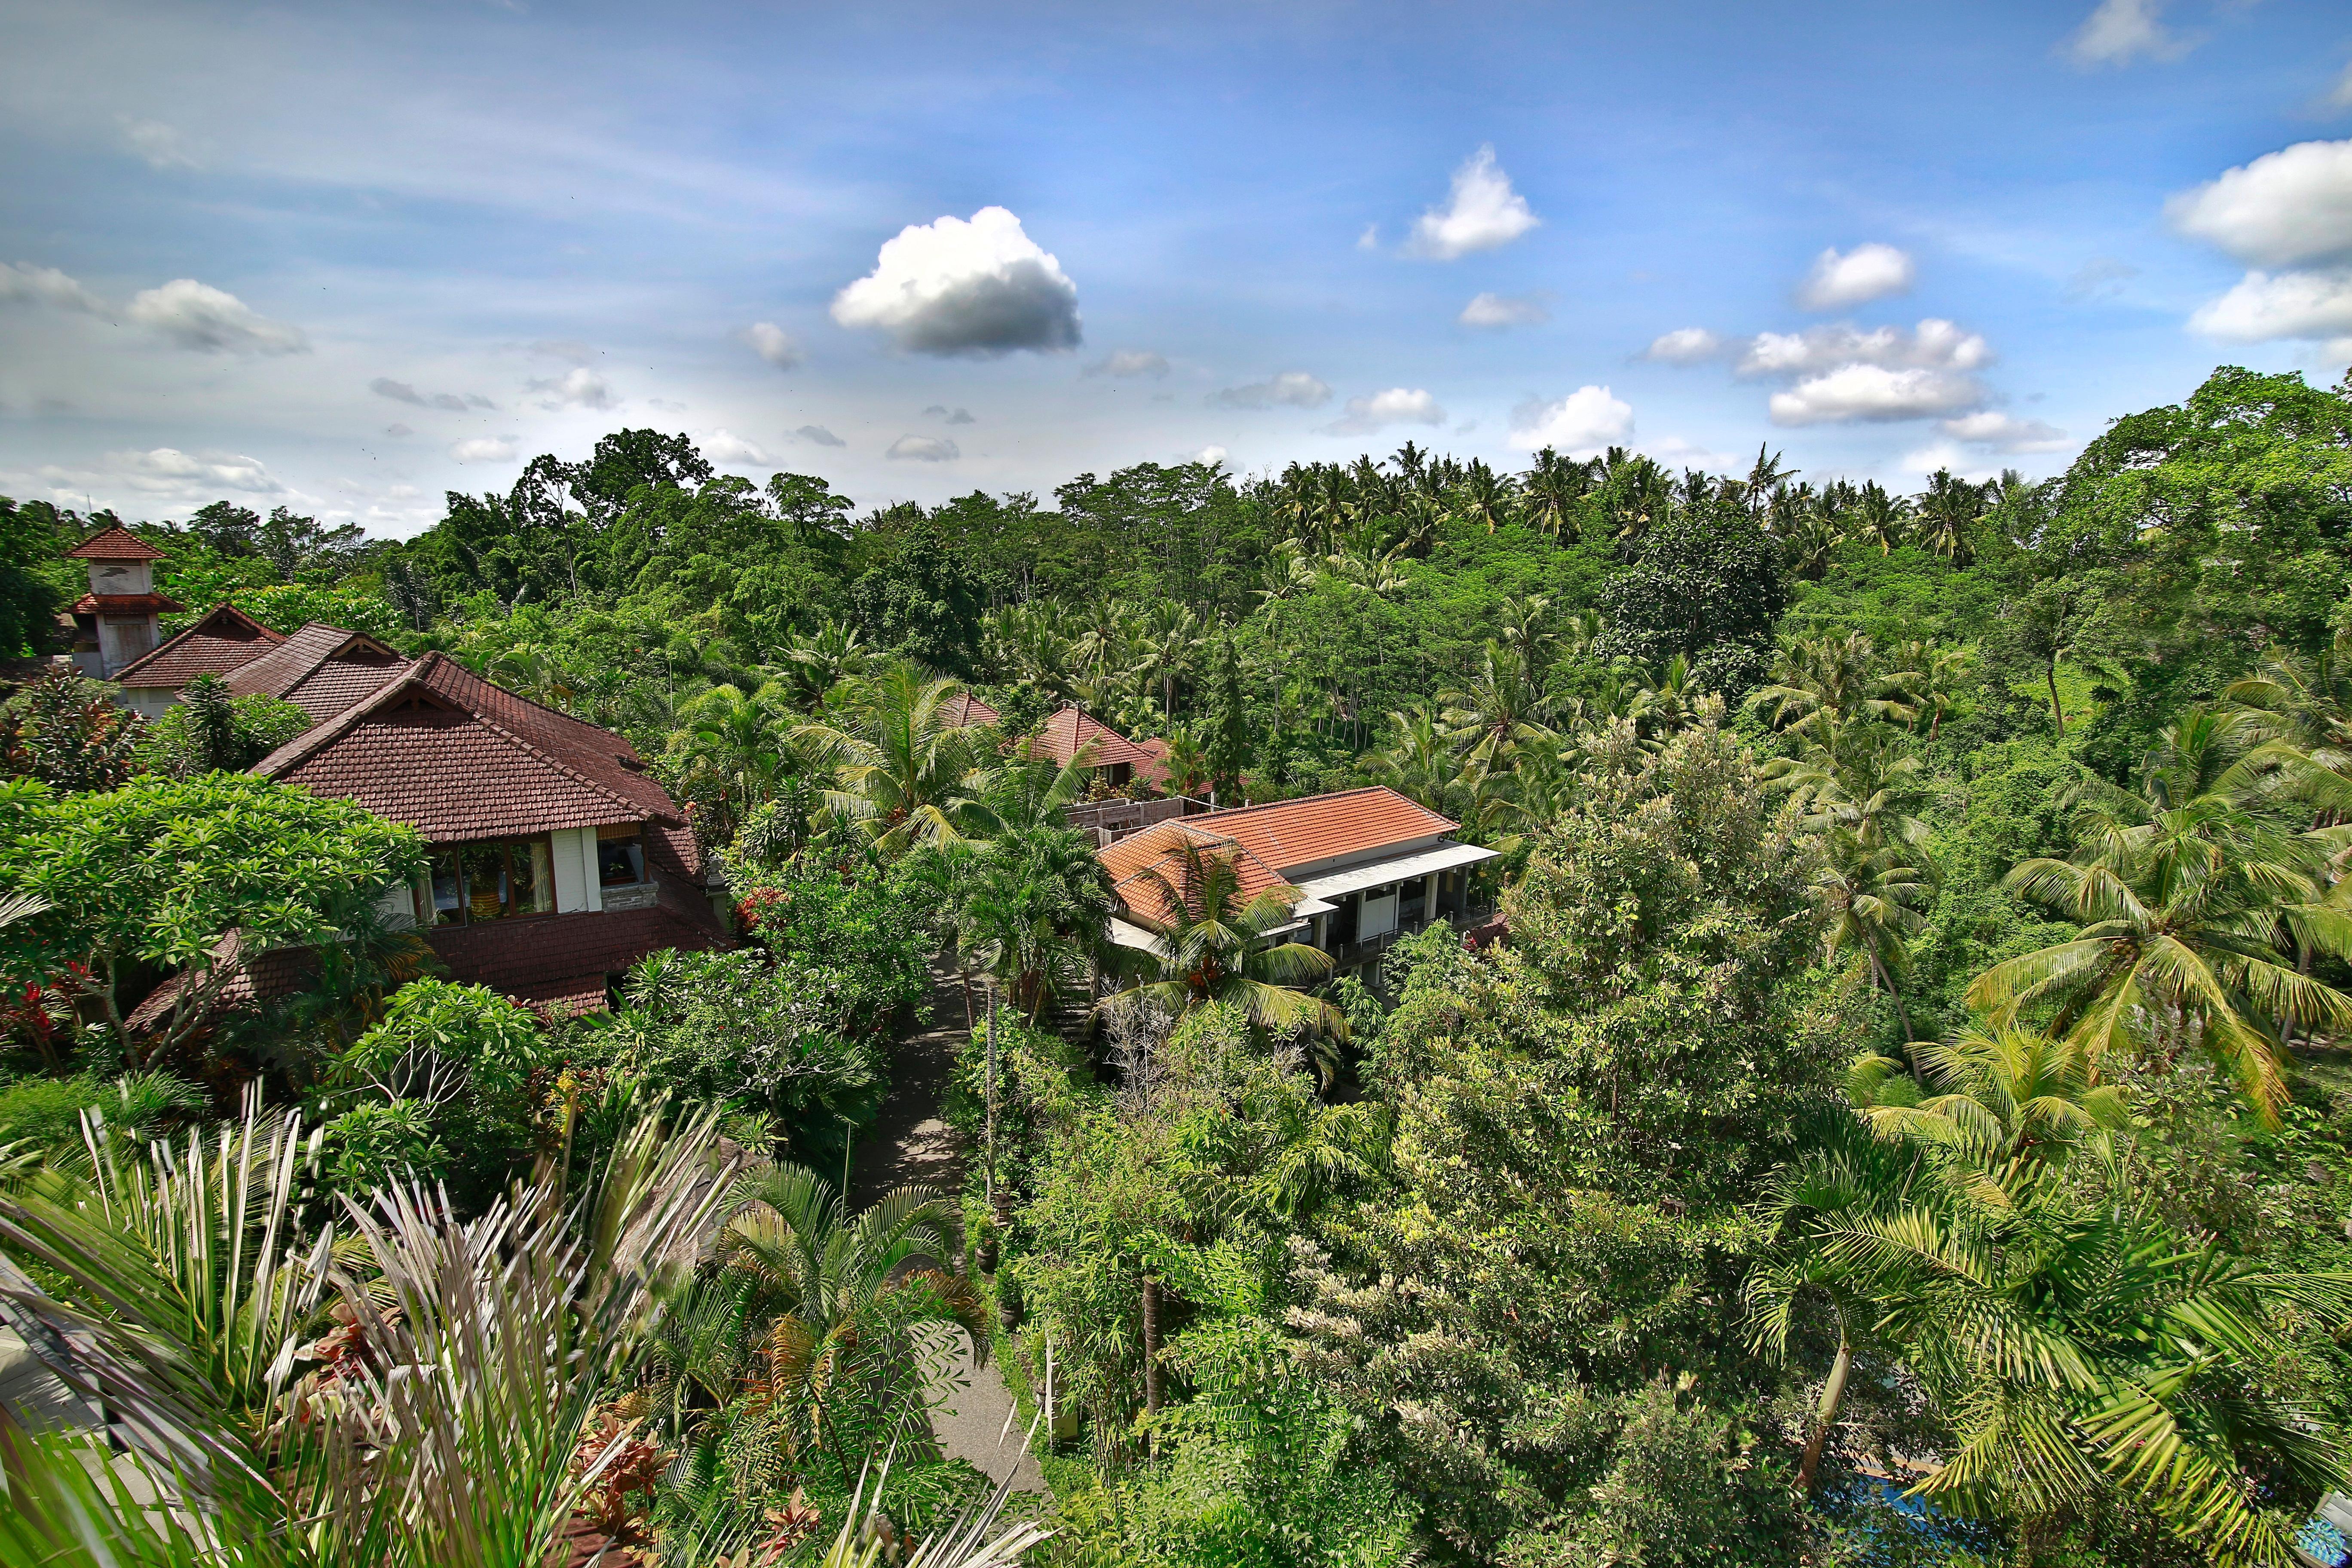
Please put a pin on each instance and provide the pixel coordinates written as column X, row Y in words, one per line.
column 1878, row 1091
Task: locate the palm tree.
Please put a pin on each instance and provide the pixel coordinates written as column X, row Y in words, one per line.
column 1502, row 708
column 1881, row 518
column 905, row 774
column 1034, row 907
column 1553, row 489
column 1825, row 679
column 861, row 1303
column 1873, row 896
column 825, row 659
column 2007, row 1095
column 1484, row 495
column 1419, row 763
column 2187, row 894
column 1217, row 946
column 1947, row 512
column 742, row 744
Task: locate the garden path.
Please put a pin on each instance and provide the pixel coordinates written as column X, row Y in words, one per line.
column 912, row 1142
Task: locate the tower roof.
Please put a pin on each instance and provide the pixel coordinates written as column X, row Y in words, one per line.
column 114, row 544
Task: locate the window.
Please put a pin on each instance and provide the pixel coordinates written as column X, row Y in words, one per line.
column 620, row 857
column 473, row 882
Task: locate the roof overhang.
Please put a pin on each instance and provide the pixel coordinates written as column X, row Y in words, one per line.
column 1447, row 857
column 1126, row 933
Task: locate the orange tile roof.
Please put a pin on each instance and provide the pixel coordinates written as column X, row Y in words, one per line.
column 964, row 712
column 114, row 544
column 223, row 640
column 125, row 605
column 321, row 669
column 1070, row 729
column 1271, row 845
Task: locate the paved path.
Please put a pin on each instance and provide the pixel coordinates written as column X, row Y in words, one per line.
column 911, row 1142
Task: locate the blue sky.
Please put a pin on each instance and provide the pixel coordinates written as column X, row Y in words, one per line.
column 347, row 256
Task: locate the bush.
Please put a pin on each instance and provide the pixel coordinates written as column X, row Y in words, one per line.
column 208, row 731
column 45, row 1113
column 441, row 1085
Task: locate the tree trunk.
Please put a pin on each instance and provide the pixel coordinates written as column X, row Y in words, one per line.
column 1901, row 1013
column 1151, row 1352
column 1825, row 1417
column 2056, row 712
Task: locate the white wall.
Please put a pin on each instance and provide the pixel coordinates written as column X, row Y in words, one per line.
column 121, row 577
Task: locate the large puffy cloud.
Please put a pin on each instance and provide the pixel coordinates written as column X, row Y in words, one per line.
column 2288, row 208
column 1934, row 344
column 924, row 449
column 198, row 316
column 1585, row 421
column 1397, row 405
column 46, row 285
column 954, row 286
column 2121, row 31
column 2287, row 305
column 579, row 387
column 725, row 447
column 1294, row 387
column 1867, row 272
column 1481, row 213
column 773, row 343
column 1504, row 311
column 2005, row 432
column 1873, row 392
column 168, row 473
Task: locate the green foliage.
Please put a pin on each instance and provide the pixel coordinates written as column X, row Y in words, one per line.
column 68, row 731
column 45, row 1113
column 441, row 1085
column 27, row 598
column 208, row 731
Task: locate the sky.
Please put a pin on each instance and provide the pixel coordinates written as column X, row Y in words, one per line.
column 346, row 257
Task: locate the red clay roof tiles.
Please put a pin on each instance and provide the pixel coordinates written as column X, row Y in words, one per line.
column 321, row 669
column 223, row 640
column 123, row 605
column 1071, row 728
column 114, row 544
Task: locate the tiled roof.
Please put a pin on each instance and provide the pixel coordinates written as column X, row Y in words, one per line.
column 114, row 544
column 1153, row 774
column 1159, row 848
column 963, row 711
column 543, row 960
column 123, row 605
column 442, row 749
column 1071, row 728
column 321, row 669
column 224, row 639
column 1271, row 844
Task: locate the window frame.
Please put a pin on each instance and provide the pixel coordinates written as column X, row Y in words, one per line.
column 428, row 913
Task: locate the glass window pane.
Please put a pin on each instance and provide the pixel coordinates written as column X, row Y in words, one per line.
column 620, row 861
column 486, row 880
column 448, row 892
column 534, row 874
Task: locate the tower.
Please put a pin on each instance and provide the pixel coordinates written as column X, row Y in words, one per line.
column 114, row 623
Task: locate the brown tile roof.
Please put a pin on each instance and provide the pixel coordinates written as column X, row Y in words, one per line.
column 123, row 605
column 1271, row 844
column 1153, row 774
column 440, row 748
column 963, row 711
column 559, row 957
column 226, row 638
column 1071, row 728
column 114, row 544
column 321, row 669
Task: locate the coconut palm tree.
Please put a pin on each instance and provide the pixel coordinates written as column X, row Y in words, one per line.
column 1947, row 509
column 2187, row 893
column 1034, row 907
column 2002, row 1096
column 1501, row 708
column 1216, row 945
column 1881, row 518
column 1419, row 762
column 1874, row 895
column 1485, row 496
column 905, row 774
column 1832, row 680
column 743, row 744
column 823, row 659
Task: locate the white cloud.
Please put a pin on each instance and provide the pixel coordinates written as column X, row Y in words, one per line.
column 924, row 449
column 1504, row 311
column 401, row 392
column 1934, row 344
column 1397, row 405
column 1872, row 392
column 168, row 471
column 817, row 434
column 1482, row 213
column 1685, row 346
column 940, row 411
column 2121, row 31
column 398, row 432
column 1585, row 421
column 1209, row 455
column 571, row 351
column 726, row 447
column 959, row 288
column 198, row 316
column 161, row 145
column 1371, row 238
column 1131, row 363
column 1856, row 276
column 46, row 285
column 773, row 343
column 2005, row 432
column 1294, row 387
column 2340, row 95
column 2288, row 208
column 2285, row 305
column 484, row 449
column 579, row 387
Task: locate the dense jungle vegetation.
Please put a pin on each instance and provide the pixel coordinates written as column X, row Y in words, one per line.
column 1907, row 1123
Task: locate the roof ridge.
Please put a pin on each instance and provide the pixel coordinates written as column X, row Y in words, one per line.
column 310, row 740
column 198, row 625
